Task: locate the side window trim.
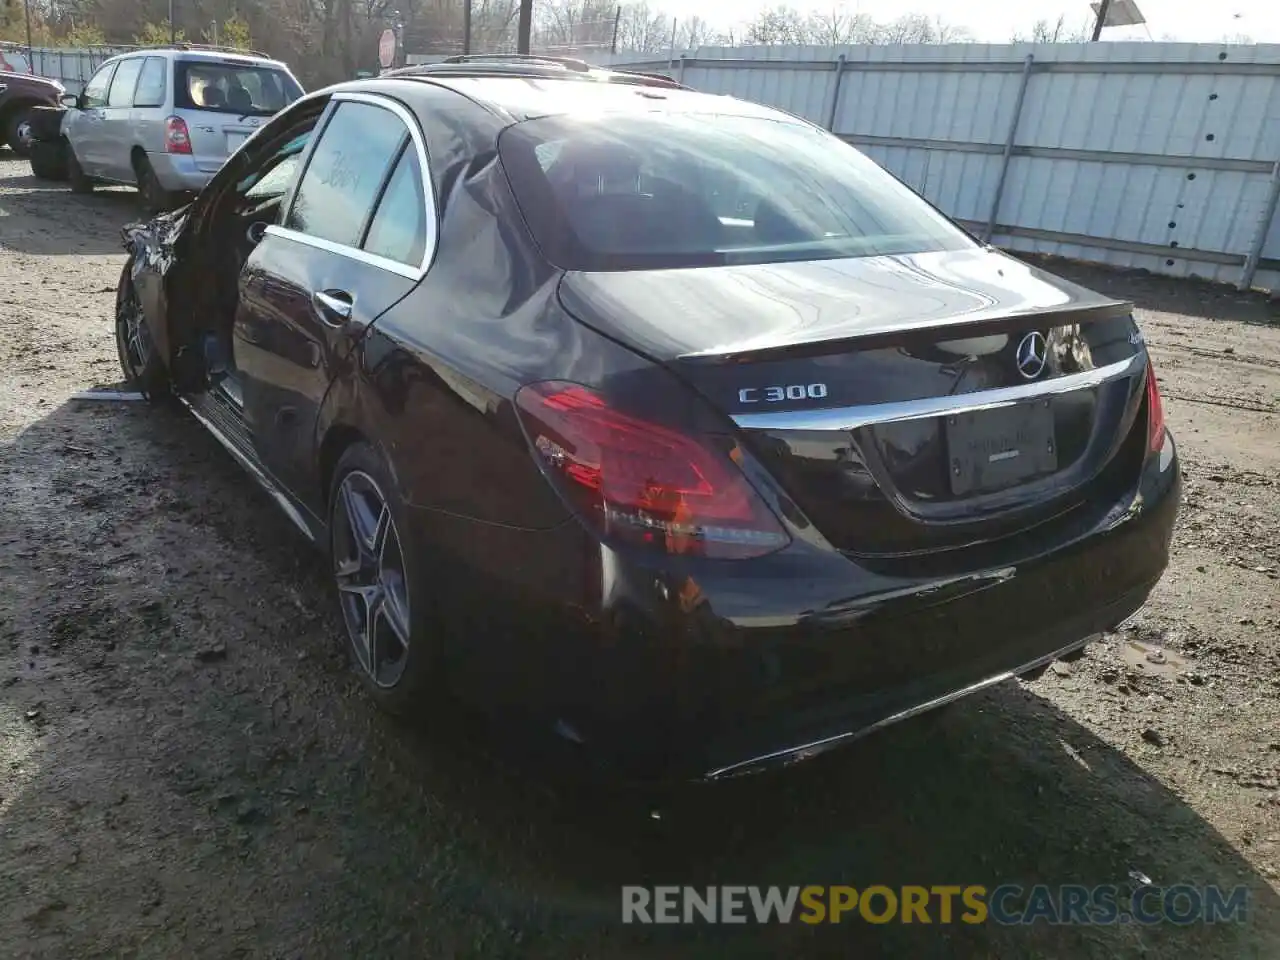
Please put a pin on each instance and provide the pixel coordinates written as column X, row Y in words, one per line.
column 110, row 69
column 304, row 162
column 382, row 191
column 164, row 82
column 428, row 193
column 141, row 62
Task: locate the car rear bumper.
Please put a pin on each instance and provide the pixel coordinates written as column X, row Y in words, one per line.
column 665, row 671
column 180, row 172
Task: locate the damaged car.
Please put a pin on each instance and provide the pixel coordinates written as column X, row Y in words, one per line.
column 665, row 423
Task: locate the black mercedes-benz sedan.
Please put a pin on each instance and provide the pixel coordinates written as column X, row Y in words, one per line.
column 665, row 422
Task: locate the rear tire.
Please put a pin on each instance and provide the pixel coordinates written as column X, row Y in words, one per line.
column 75, row 173
column 17, row 131
column 155, row 198
column 377, row 562
column 49, row 160
column 140, row 363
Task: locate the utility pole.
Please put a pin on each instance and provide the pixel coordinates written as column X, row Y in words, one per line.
column 31, row 61
column 524, row 29
column 1103, row 8
column 173, row 29
column 466, row 26
column 617, row 18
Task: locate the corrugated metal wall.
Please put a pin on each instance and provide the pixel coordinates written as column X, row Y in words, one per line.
column 72, row 66
column 1153, row 155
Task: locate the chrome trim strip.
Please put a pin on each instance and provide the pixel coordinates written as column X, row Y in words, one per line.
column 845, row 419
column 351, row 253
column 253, row 470
column 806, row 751
column 428, row 193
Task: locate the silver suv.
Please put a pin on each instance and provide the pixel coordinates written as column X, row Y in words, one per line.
column 166, row 119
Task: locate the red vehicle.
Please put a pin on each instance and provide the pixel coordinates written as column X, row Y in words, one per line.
column 20, row 93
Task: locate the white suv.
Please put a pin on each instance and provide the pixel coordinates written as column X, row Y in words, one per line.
column 166, row 119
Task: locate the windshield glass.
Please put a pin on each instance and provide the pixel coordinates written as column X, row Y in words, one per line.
column 661, row 190
column 230, row 87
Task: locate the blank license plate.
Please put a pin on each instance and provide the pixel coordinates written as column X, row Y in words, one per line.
column 993, row 449
column 234, row 140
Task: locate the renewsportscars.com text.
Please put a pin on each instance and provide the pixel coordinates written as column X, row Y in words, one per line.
column 1007, row 904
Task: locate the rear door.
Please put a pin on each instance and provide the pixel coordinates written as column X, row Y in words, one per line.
column 146, row 127
column 117, row 122
column 356, row 238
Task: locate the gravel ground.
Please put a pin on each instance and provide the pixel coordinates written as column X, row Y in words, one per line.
column 187, row 768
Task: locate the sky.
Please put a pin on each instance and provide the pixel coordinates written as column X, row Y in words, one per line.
column 996, row 21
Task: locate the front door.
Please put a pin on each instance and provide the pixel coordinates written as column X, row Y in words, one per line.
column 86, row 129
column 353, row 242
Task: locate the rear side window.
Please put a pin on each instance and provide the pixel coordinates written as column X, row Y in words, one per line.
column 228, row 86
column 346, row 172
column 125, row 80
column 95, row 91
column 150, row 92
column 664, row 190
column 398, row 230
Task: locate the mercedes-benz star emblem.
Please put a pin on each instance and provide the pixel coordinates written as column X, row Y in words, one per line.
column 1032, row 355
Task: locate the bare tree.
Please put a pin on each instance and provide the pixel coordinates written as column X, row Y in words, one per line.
column 694, row 32
column 573, row 24
column 777, row 27
column 1057, row 31
column 642, row 30
column 839, row 25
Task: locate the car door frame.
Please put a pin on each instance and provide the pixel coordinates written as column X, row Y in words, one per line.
column 117, row 125
column 288, row 463
column 147, row 119
column 86, row 126
column 420, row 144
column 173, row 300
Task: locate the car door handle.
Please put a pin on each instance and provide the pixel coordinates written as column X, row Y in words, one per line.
column 334, row 306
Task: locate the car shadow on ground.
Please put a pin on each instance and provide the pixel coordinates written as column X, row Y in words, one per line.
column 1148, row 291
column 57, row 222
column 189, row 765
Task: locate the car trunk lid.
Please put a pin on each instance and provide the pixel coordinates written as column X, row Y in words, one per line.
column 214, row 137
column 906, row 405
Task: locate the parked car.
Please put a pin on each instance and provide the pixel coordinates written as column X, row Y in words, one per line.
column 665, row 422
column 166, row 119
column 20, row 93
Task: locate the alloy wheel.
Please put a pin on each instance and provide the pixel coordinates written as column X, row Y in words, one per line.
column 368, row 565
column 132, row 339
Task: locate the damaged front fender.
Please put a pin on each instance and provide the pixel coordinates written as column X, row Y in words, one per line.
column 155, row 270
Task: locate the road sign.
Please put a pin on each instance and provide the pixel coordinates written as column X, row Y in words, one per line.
column 387, row 48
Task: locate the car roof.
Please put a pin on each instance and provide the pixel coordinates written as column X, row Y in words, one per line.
column 212, row 56
column 527, row 97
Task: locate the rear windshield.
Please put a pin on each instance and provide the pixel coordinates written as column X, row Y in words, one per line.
column 660, row 190
column 229, row 87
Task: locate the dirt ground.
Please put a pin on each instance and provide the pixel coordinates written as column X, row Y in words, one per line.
column 188, row 769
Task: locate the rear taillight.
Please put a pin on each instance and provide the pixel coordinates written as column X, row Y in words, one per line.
column 643, row 482
column 1155, row 412
column 177, row 139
